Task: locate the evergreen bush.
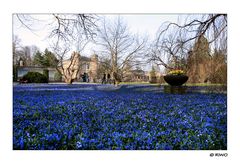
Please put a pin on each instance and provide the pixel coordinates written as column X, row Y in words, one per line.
column 34, row 77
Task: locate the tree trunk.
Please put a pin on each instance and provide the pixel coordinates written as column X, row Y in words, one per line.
column 68, row 80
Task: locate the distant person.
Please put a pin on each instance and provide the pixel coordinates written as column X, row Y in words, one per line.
column 84, row 77
column 109, row 78
column 104, row 79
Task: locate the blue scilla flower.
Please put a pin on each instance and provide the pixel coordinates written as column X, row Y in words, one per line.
column 28, row 134
column 163, row 146
column 21, row 142
column 208, row 124
column 117, row 119
column 70, row 134
column 209, row 120
column 79, row 145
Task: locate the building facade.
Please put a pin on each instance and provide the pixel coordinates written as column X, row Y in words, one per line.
column 81, row 69
column 52, row 72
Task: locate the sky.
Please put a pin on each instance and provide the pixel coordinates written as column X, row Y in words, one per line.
column 143, row 24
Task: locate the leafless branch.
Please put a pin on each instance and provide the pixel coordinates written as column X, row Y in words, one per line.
column 122, row 47
column 166, row 47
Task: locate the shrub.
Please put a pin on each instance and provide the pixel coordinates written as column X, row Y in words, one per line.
column 219, row 76
column 176, row 72
column 35, row 77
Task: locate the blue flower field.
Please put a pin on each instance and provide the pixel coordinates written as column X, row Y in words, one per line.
column 104, row 117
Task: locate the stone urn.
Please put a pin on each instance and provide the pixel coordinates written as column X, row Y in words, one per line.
column 176, row 80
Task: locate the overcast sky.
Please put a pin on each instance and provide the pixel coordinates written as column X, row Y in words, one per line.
column 144, row 24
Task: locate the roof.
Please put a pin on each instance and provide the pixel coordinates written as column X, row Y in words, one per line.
column 35, row 67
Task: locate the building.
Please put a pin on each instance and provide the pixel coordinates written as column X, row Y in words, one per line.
column 137, row 76
column 52, row 72
column 81, row 69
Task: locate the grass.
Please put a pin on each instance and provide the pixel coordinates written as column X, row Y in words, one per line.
column 205, row 84
column 137, row 83
column 157, row 84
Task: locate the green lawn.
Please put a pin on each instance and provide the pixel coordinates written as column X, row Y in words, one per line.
column 188, row 84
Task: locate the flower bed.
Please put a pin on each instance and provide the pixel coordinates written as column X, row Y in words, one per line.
column 81, row 117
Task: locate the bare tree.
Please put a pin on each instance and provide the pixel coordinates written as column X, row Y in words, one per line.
column 169, row 51
column 23, row 53
column 218, row 71
column 68, row 68
column 73, row 27
column 65, row 31
column 16, row 49
column 174, row 40
column 17, row 53
column 65, row 27
column 121, row 47
column 78, row 31
column 213, row 26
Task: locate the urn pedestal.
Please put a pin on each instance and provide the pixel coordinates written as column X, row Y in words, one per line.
column 176, row 80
